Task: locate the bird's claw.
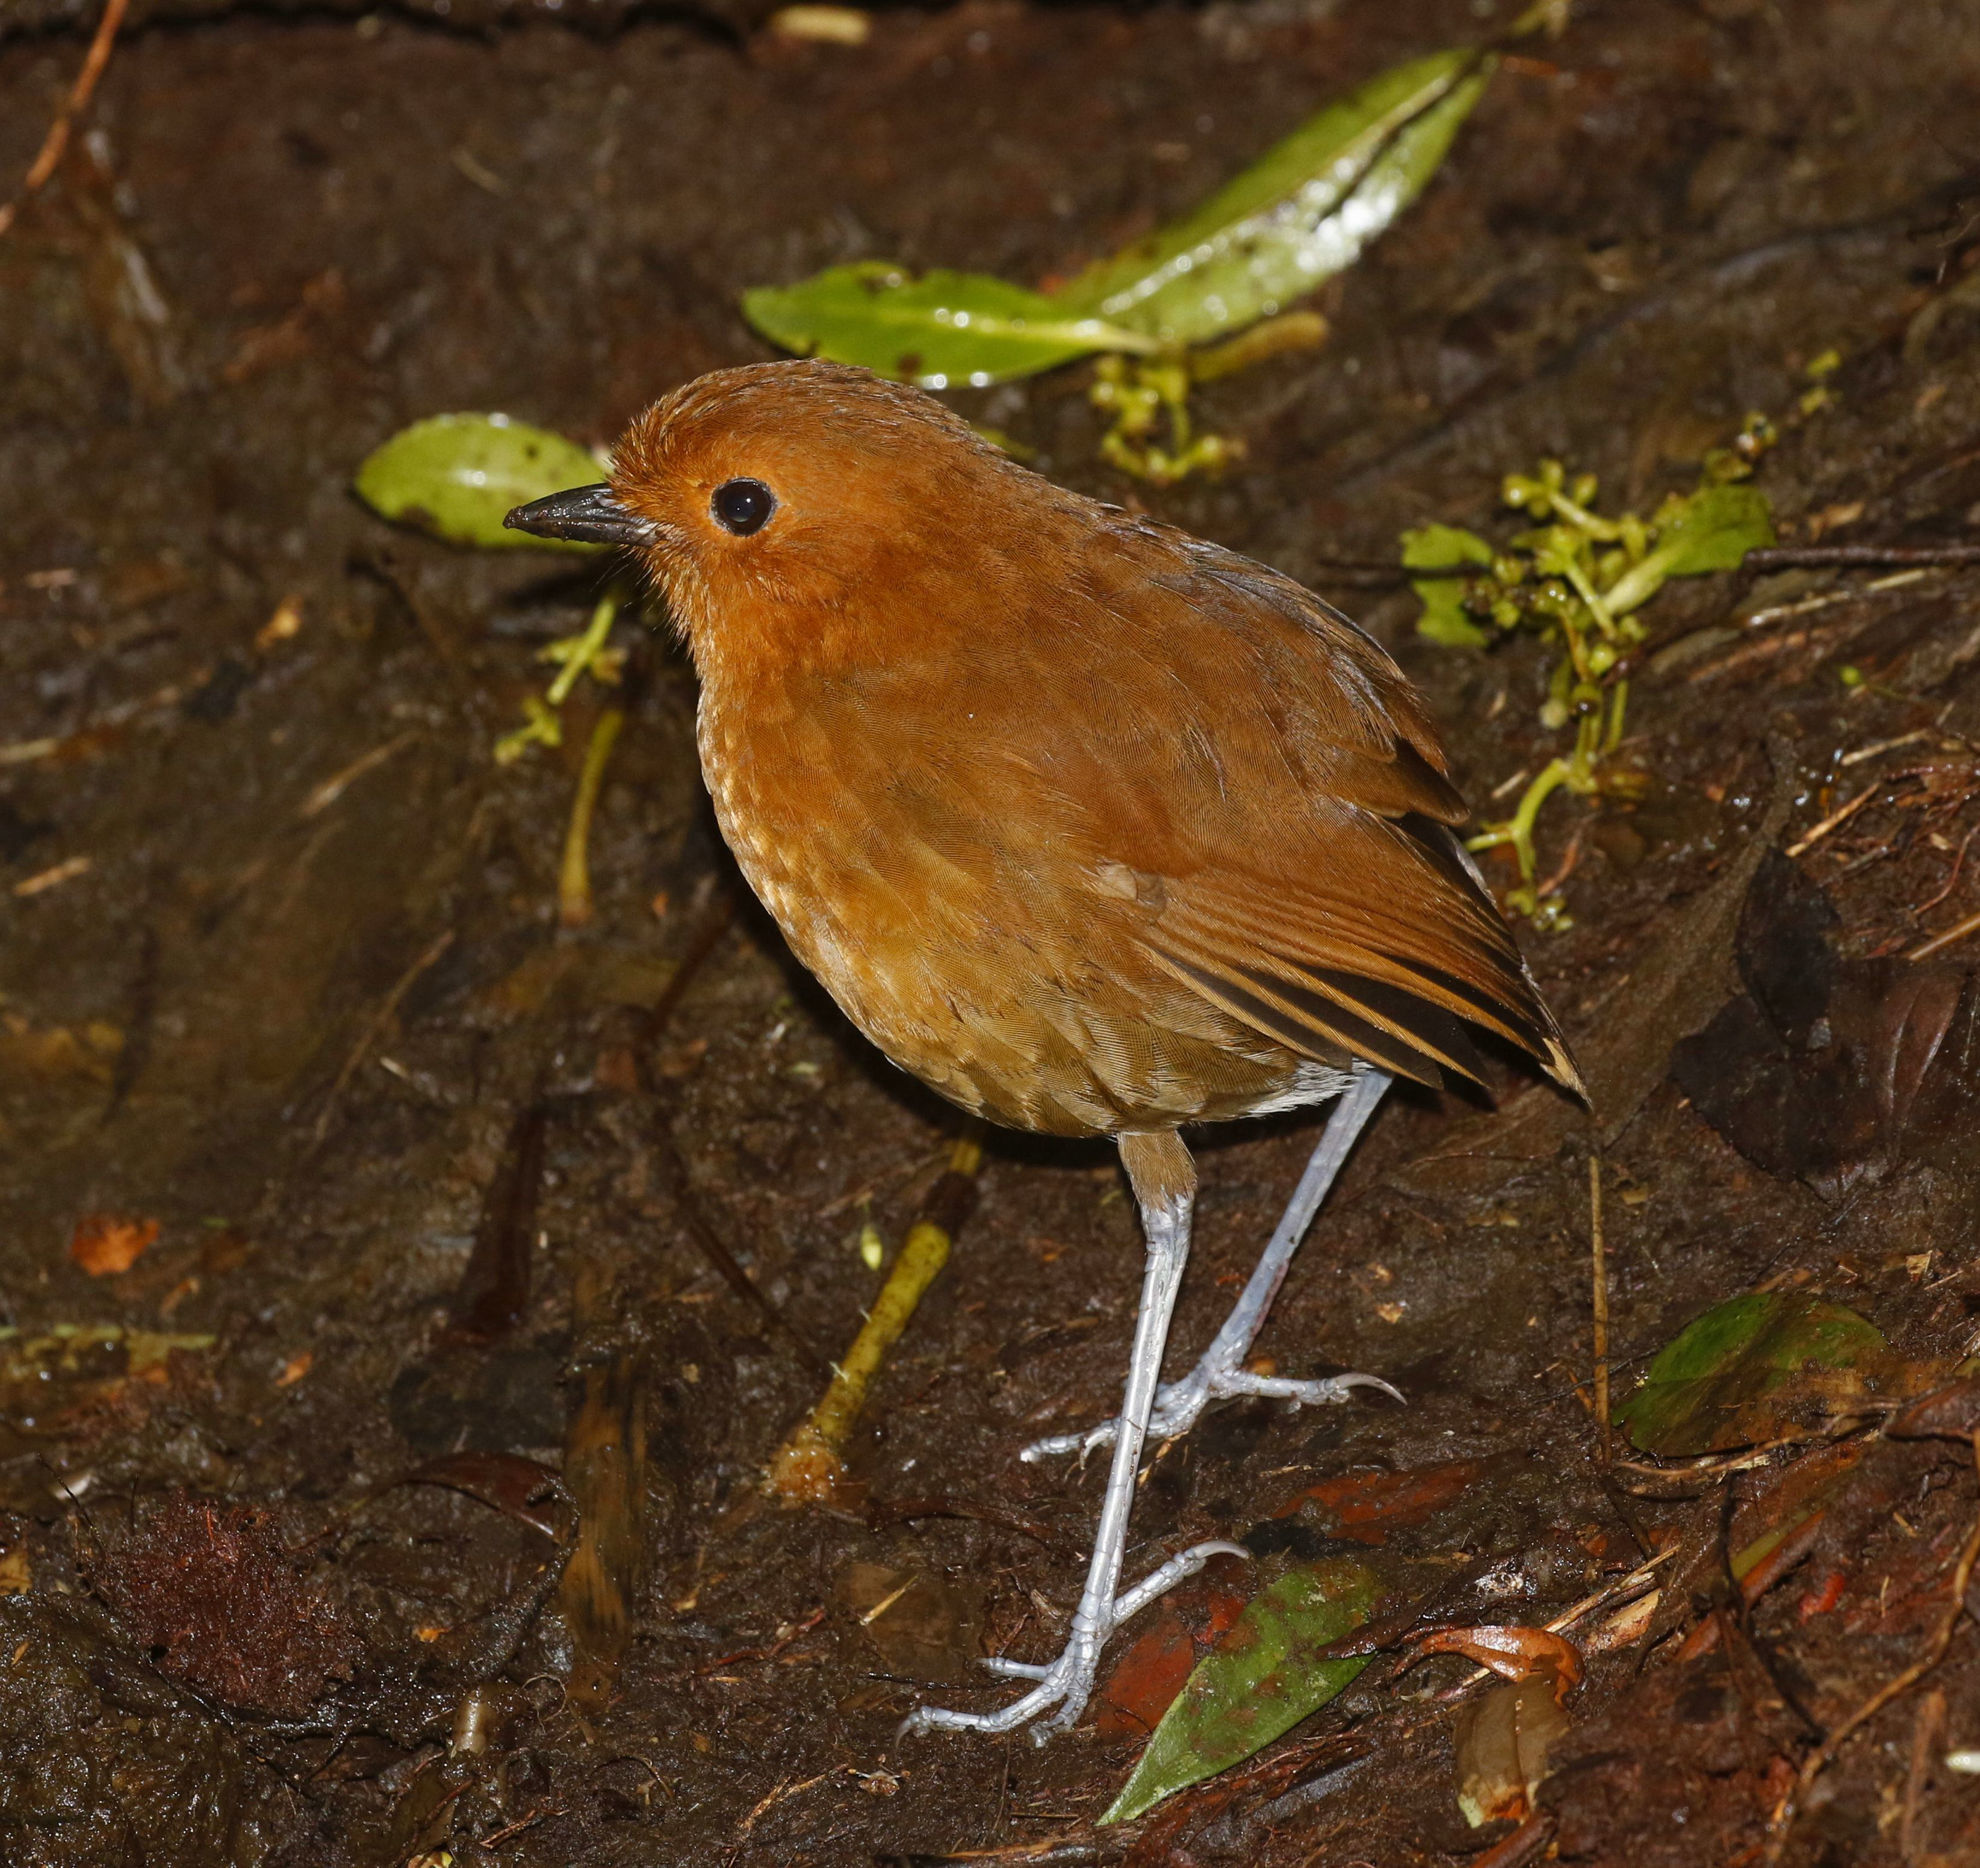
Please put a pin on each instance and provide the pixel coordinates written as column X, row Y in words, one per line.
column 1067, row 1683
column 1178, row 1405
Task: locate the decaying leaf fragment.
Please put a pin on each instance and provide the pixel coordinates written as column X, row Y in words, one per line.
column 1502, row 1741
column 1752, row 1369
column 103, row 1244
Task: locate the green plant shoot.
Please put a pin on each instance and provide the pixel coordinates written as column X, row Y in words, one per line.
column 1579, row 579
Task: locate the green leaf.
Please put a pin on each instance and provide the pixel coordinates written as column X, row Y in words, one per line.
column 941, row 330
column 1260, row 1681
column 1296, row 217
column 1439, row 547
column 1710, row 530
column 455, row 476
column 1751, row 1369
column 1445, row 621
column 1715, row 528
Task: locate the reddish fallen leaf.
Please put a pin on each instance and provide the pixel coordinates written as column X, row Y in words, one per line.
column 104, row 1244
column 506, row 1482
column 1151, row 1673
column 1513, row 1653
column 1365, row 1507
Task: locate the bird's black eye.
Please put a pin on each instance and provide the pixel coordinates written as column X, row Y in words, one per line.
column 742, row 506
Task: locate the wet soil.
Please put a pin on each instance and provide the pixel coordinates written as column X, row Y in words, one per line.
column 281, row 971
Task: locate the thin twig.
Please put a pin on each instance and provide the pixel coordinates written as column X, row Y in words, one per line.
column 323, row 796
column 1383, row 574
column 1925, row 1737
column 1958, row 931
column 1824, row 1754
column 1521, row 1846
column 783, row 1790
column 1952, row 881
column 1569, row 863
column 375, row 1025
column 1878, row 747
column 57, row 140
column 1810, row 557
column 1835, row 820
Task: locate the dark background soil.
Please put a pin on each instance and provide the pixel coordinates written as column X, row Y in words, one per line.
column 286, row 237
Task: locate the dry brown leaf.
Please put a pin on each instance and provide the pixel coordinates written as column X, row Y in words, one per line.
column 1502, row 1741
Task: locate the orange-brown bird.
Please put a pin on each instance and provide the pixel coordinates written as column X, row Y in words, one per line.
column 1096, row 828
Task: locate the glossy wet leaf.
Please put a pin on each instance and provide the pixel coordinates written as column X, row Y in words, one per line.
column 1261, row 1680
column 1445, row 620
column 457, row 476
column 1297, row 216
column 1751, row 1369
column 940, row 329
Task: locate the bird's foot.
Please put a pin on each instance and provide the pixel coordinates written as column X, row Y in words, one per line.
column 1178, row 1404
column 1066, row 1684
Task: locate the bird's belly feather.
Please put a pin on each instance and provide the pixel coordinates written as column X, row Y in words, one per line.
column 992, row 988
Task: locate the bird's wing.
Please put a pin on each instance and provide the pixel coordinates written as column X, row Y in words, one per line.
column 1293, row 807
column 1393, row 973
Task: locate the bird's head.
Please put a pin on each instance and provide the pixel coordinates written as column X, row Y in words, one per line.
column 798, row 508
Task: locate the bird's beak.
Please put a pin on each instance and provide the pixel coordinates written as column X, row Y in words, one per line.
column 589, row 513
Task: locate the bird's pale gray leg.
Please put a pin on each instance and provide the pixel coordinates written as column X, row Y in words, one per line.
column 1221, row 1370
column 1064, row 1685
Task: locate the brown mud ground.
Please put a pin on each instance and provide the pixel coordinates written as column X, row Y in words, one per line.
column 280, row 970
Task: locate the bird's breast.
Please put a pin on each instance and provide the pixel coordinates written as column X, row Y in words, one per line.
column 941, row 906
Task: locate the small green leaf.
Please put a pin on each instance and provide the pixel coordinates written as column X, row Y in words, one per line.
column 1710, row 530
column 941, row 330
column 1439, row 547
column 1445, row 621
column 1260, row 1681
column 1296, row 217
column 455, row 476
column 1715, row 528
column 1749, row 1370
